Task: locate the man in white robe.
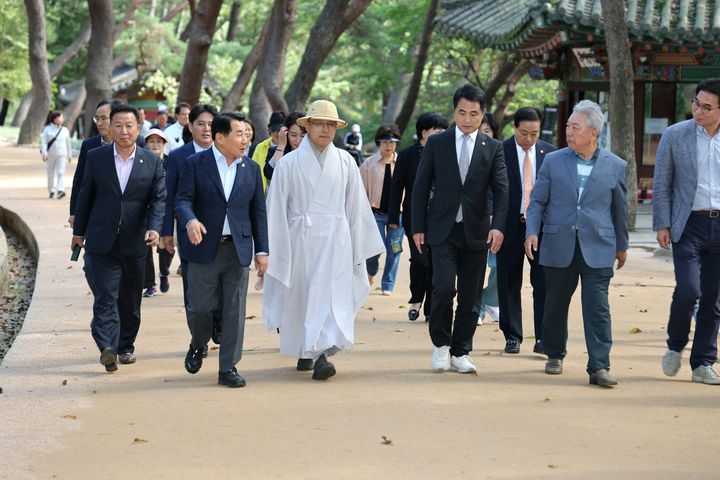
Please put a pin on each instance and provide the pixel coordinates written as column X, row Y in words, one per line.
column 322, row 230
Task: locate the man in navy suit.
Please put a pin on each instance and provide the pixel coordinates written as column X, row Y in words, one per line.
column 524, row 154
column 221, row 203
column 457, row 169
column 579, row 201
column 119, row 212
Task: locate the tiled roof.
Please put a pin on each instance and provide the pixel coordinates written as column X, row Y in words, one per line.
column 511, row 24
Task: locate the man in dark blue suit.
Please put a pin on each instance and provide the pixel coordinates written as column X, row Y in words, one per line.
column 524, row 154
column 221, row 204
column 119, row 212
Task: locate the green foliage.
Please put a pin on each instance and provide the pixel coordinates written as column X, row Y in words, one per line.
column 14, row 69
column 160, row 82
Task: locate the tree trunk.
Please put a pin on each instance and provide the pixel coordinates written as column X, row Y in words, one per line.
column 232, row 100
column 334, row 19
column 39, row 73
column 511, row 81
column 204, row 15
column 98, row 72
column 421, row 58
column 396, row 97
column 505, row 70
column 622, row 126
column 74, row 109
column 233, row 22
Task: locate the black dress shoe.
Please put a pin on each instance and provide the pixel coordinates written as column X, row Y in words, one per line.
column 305, row 364
column 108, row 358
column 413, row 314
column 323, row 369
column 602, row 378
column 427, row 318
column 216, row 331
column 512, row 346
column 231, row 379
column 193, row 359
column 538, row 348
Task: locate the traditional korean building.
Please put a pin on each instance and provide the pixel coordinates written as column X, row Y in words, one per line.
column 674, row 44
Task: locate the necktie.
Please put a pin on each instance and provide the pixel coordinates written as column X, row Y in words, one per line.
column 527, row 181
column 464, row 164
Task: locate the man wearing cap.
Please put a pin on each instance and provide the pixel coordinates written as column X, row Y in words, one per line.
column 266, row 149
column 321, row 230
column 353, row 143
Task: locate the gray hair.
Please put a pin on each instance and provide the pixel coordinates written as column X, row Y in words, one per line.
column 595, row 116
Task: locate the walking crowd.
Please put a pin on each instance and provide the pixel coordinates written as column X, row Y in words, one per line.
column 314, row 220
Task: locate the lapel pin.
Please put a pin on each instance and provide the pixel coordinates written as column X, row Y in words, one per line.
column 242, row 165
column 483, row 143
column 542, row 151
column 141, row 160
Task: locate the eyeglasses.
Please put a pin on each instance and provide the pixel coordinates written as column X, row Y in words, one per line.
column 102, row 118
column 322, row 125
column 705, row 108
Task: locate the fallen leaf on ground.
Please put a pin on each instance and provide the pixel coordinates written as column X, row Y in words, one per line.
column 386, row 440
column 138, row 440
column 399, row 330
column 215, row 347
column 547, row 399
column 487, row 354
column 250, row 317
column 635, row 330
column 552, row 465
column 401, row 307
column 70, row 417
column 64, row 382
column 369, row 308
column 643, row 310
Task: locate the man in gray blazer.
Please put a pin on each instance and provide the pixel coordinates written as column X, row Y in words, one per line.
column 579, row 199
column 686, row 211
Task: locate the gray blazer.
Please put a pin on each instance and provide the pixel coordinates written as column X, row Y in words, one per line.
column 598, row 218
column 676, row 178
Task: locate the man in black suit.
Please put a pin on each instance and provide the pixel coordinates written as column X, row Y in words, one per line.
column 524, row 154
column 119, row 213
column 408, row 159
column 456, row 170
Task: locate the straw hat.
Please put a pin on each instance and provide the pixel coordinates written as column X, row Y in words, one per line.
column 322, row 110
column 158, row 132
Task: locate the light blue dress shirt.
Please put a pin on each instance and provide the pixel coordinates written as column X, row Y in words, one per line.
column 707, row 195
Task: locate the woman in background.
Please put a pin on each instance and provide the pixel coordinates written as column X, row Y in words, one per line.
column 56, row 152
column 289, row 138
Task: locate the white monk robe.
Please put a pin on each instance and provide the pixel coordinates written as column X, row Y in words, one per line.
column 321, row 230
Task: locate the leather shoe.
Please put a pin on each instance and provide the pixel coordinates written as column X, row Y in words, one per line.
column 304, row 364
column 538, row 348
column 413, row 314
column 231, row 379
column 553, row 366
column 108, row 358
column 127, row 358
column 602, row 378
column 512, row 346
column 193, row 359
column 323, row 369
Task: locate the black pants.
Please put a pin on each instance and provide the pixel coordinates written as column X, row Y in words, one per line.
column 450, row 260
column 118, row 281
column 510, row 263
column 164, row 260
column 420, row 275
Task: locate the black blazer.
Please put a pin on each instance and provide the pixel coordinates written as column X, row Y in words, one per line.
column 87, row 145
column 406, row 166
column 439, row 167
column 110, row 219
column 512, row 226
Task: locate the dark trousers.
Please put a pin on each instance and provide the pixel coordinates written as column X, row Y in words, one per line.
column 697, row 275
column 222, row 280
column 510, row 263
column 560, row 284
column 420, row 275
column 217, row 315
column 87, row 269
column 118, row 281
column 164, row 260
column 450, row 260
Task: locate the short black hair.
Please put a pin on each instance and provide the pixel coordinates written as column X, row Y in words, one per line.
column 292, row 119
column 222, row 123
column 201, row 108
column 180, row 106
column 429, row 121
column 252, row 125
column 161, row 112
column 105, row 101
column 492, row 122
column 709, row 85
column 471, row 93
column 124, row 108
column 527, row 114
column 386, row 131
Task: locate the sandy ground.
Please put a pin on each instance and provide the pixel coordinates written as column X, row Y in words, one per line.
column 61, row 416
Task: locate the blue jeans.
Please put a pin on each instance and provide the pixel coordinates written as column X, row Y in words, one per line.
column 392, row 260
column 489, row 294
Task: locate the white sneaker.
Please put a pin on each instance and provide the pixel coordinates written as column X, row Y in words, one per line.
column 494, row 313
column 440, row 358
column 705, row 374
column 480, row 321
column 462, row 364
column 671, row 362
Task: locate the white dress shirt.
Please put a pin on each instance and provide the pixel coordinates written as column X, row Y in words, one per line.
column 198, row 148
column 227, row 177
column 124, row 167
column 459, row 141
column 707, row 195
column 521, row 164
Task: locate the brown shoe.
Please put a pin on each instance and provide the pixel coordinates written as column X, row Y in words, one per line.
column 602, row 378
column 108, row 358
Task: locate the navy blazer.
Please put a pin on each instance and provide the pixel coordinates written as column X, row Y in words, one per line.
column 439, row 167
column 113, row 220
column 176, row 160
column 201, row 196
column 512, row 226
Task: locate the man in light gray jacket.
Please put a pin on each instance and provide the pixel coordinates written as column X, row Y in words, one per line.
column 686, row 212
column 579, row 199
